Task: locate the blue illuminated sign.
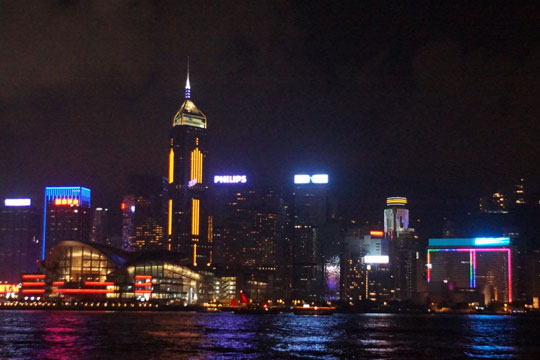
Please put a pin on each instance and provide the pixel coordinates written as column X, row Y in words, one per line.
column 490, row 241
column 468, row 242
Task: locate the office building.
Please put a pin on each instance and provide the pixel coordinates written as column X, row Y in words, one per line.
column 187, row 222
column 365, row 272
column 470, row 270
column 310, row 204
column 248, row 235
column 66, row 215
column 20, row 246
column 99, row 231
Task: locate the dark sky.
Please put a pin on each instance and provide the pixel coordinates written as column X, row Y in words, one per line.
column 390, row 98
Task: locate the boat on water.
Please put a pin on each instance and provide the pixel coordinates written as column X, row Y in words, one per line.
column 307, row 309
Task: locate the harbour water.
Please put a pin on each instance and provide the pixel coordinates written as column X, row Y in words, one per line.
column 187, row 335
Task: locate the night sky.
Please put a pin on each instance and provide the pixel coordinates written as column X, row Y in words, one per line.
column 437, row 103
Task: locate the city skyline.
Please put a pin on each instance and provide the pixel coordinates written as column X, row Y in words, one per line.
column 378, row 110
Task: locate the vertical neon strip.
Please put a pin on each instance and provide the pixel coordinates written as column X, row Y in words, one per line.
column 509, row 275
column 194, row 254
column 169, row 225
column 171, row 166
column 191, row 167
column 195, row 207
column 429, row 266
column 474, row 268
column 471, row 276
column 199, row 180
column 210, row 237
column 44, row 226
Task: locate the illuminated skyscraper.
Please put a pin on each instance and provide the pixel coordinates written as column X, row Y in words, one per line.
column 187, row 222
column 66, row 215
column 396, row 217
column 470, row 269
column 403, row 246
column 19, row 239
column 310, row 201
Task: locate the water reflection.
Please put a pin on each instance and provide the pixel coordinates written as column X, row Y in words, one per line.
column 109, row 335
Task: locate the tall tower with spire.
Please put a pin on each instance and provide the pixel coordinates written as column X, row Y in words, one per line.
column 187, row 225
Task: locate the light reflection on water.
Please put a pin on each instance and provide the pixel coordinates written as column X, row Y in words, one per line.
column 110, row 335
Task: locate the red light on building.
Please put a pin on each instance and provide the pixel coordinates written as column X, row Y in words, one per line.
column 142, row 291
column 377, row 233
column 58, row 283
column 97, row 283
column 33, row 291
column 123, row 206
column 143, row 277
column 33, row 276
column 33, row 283
column 144, row 284
column 82, row 291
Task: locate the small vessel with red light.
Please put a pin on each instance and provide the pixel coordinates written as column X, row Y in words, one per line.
column 307, row 309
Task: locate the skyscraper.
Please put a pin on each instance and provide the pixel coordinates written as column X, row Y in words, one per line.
column 403, row 246
column 143, row 213
column 310, row 215
column 99, row 233
column 187, row 223
column 66, row 215
column 19, row 239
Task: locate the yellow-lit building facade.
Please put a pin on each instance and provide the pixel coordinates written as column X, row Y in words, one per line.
column 187, row 218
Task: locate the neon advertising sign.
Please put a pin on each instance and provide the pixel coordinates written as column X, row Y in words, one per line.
column 65, row 202
column 8, row 288
column 17, row 202
column 472, row 263
column 314, row 179
column 376, row 259
column 230, row 179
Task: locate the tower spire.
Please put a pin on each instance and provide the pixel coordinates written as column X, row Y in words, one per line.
column 188, row 86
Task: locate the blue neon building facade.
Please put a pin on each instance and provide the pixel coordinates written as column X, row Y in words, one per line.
column 65, row 215
column 481, row 266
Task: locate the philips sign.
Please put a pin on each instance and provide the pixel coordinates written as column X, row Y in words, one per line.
column 314, row 179
column 230, row 179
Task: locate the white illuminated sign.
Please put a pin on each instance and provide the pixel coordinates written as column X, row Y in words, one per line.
column 319, row 179
column 302, row 179
column 230, row 179
column 314, row 179
column 192, row 183
column 17, row 202
column 376, row 259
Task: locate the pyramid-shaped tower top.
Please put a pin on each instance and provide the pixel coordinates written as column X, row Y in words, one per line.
column 189, row 114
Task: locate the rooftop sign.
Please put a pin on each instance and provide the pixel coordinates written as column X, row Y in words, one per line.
column 314, row 179
column 483, row 241
column 376, row 259
column 17, row 202
column 396, row 200
column 230, row 179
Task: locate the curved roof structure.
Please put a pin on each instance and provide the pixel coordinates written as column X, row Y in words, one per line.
column 117, row 256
